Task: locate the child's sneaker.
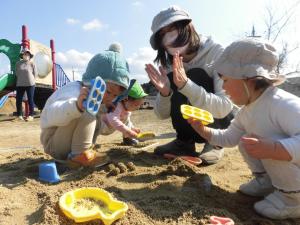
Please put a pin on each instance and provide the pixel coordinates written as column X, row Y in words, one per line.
column 29, row 118
column 211, row 154
column 88, row 158
column 279, row 205
column 260, row 186
column 130, row 141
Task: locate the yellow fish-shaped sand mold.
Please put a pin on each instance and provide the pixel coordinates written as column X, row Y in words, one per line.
column 188, row 111
column 85, row 204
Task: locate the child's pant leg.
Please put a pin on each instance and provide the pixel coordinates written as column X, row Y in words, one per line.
column 45, row 138
column 57, row 140
column 285, row 175
column 76, row 137
column 255, row 165
column 84, row 133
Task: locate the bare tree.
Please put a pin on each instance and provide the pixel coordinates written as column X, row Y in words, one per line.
column 277, row 23
column 276, row 26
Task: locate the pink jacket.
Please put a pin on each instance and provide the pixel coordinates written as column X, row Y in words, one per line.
column 118, row 118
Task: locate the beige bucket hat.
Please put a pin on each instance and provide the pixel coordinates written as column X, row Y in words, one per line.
column 248, row 58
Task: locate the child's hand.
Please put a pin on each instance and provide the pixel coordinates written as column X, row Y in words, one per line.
column 258, row 148
column 137, row 130
column 132, row 134
column 202, row 130
column 84, row 92
column 179, row 75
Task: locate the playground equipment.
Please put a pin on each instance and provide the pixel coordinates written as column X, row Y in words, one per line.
column 43, row 64
column 12, row 51
column 3, row 100
column 50, row 75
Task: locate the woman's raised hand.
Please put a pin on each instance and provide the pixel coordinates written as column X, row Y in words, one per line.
column 159, row 79
column 179, row 75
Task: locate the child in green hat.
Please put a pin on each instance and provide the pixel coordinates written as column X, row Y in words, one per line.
column 68, row 131
column 119, row 119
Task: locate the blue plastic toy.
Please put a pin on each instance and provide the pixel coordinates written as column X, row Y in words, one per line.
column 48, row 172
column 93, row 102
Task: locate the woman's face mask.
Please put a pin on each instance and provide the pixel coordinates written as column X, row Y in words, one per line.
column 26, row 57
column 169, row 39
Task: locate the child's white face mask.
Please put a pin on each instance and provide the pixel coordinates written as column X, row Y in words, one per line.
column 168, row 40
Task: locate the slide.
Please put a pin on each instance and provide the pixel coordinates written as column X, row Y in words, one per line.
column 12, row 51
column 3, row 100
column 7, row 82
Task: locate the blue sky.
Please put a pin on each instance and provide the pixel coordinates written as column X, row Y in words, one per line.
column 84, row 28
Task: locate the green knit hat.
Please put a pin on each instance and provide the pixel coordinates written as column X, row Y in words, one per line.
column 137, row 91
column 110, row 66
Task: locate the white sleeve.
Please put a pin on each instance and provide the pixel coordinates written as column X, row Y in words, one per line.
column 60, row 113
column 61, row 107
column 287, row 116
column 217, row 104
column 162, row 107
column 229, row 137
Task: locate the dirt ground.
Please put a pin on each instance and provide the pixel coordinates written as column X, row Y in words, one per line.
column 157, row 191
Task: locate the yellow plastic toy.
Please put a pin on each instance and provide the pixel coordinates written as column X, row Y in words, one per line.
column 85, row 204
column 199, row 114
column 143, row 136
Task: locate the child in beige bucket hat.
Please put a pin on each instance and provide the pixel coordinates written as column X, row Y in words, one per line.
column 250, row 58
column 266, row 129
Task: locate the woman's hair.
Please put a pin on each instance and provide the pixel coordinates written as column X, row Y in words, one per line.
column 186, row 34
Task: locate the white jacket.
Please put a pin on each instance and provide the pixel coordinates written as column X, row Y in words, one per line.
column 217, row 103
column 274, row 115
column 60, row 108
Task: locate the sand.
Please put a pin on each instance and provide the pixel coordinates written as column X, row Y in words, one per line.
column 157, row 191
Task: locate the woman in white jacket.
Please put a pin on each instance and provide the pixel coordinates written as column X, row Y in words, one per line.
column 201, row 87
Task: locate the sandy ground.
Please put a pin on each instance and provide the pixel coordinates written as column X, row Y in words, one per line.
column 157, row 191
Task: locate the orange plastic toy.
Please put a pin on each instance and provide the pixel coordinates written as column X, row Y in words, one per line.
column 190, row 159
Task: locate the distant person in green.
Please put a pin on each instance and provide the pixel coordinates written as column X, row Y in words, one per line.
column 25, row 73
